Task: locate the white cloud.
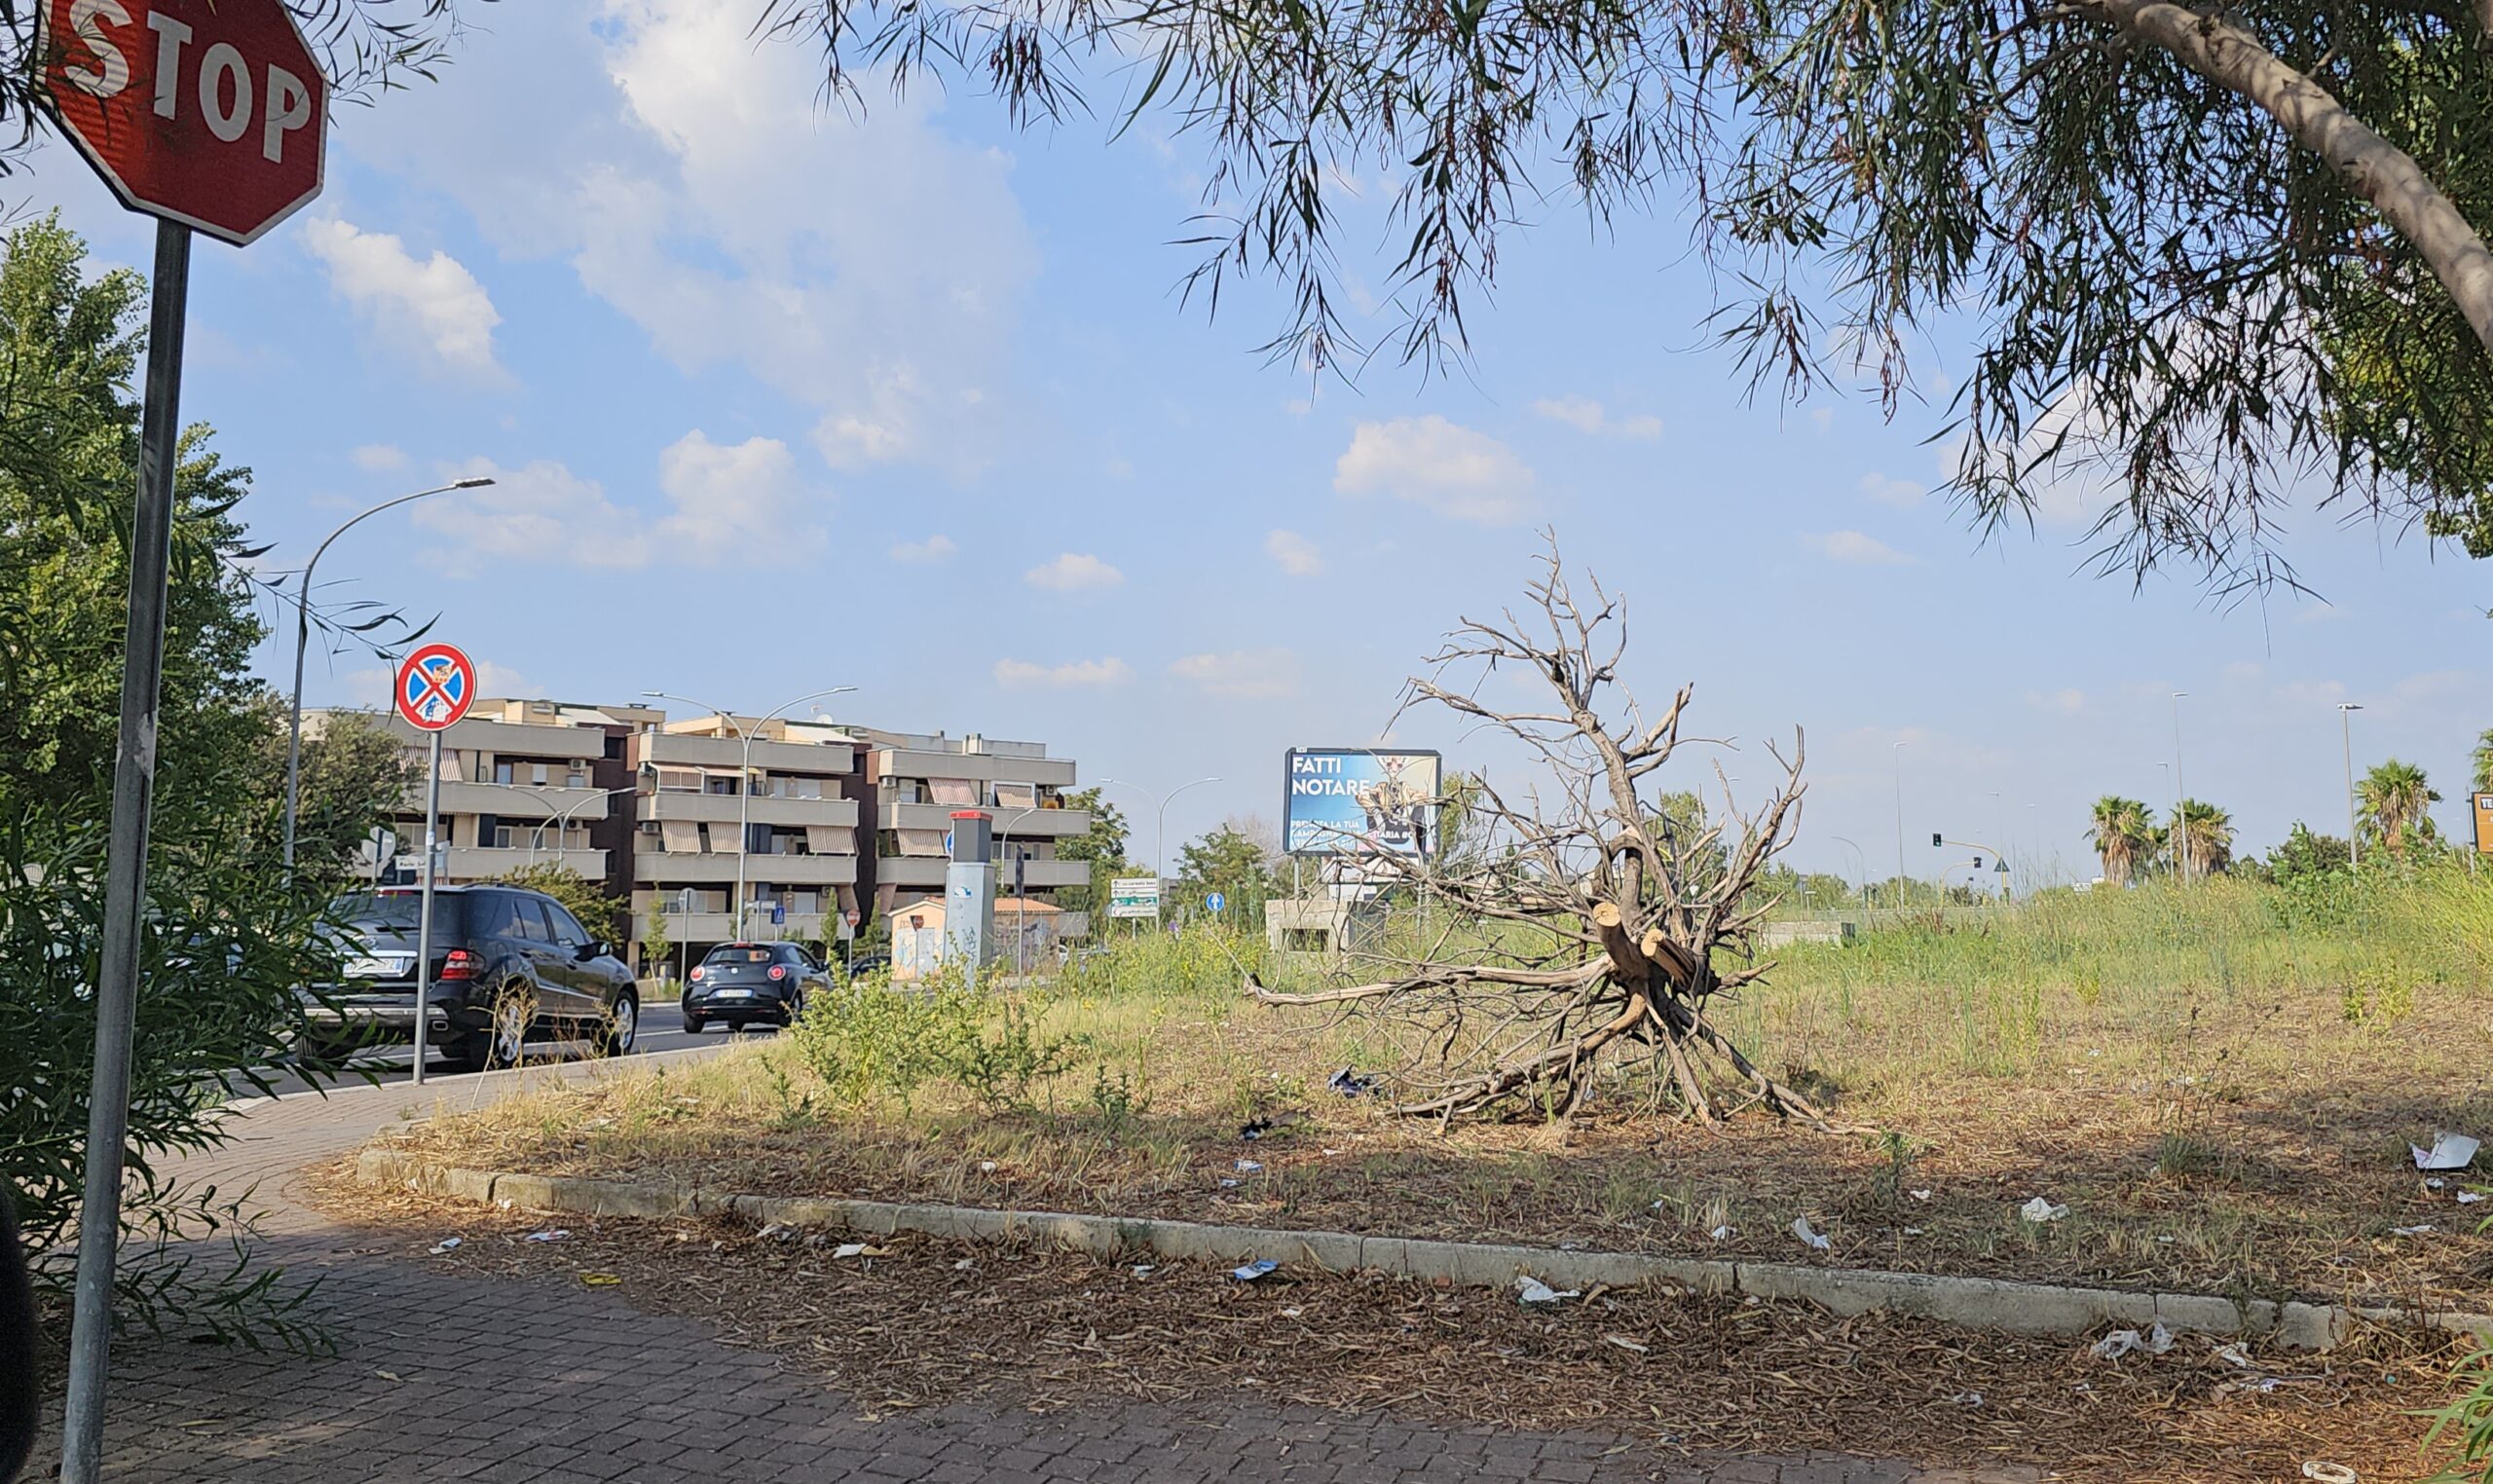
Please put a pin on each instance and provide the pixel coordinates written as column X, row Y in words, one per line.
column 378, row 456
column 1586, row 415
column 1903, row 494
column 434, row 309
column 1080, row 674
column 1243, row 674
column 1448, row 468
column 1856, row 550
column 863, row 263
column 1297, row 554
column 935, row 548
column 739, row 502
column 504, row 680
column 2067, row 701
column 1073, row 572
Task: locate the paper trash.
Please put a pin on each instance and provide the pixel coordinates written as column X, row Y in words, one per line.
column 1253, row 1270
column 2039, row 1210
column 1532, row 1290
column 1800, row 1229
column 2121, row 1342
column 2450, row 1151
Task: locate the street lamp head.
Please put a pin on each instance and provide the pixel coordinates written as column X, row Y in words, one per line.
column 471, row 482
column 2349, row 706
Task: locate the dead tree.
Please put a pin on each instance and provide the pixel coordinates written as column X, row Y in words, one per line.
column 1588, row 929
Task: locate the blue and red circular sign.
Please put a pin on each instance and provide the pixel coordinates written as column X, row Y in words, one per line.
column 436, row 685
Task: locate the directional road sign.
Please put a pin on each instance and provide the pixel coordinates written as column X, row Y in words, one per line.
column 1214, row 901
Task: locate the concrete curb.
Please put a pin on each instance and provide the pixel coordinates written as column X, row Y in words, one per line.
column 1978, row 1303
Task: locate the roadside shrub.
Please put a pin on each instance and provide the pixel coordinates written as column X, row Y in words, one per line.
column 869, row 1039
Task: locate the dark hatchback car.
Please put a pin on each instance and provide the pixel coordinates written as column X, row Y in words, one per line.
column 507, row 965
column 748, row 984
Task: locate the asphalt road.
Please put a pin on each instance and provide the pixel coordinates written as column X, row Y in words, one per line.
column 661, row 1029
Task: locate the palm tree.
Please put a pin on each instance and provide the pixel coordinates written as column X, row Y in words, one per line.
column 2397, row 804
column 2483, row 780
column 2209, row 833
column 2123, row 834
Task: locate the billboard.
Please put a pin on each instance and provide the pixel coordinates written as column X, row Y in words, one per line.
column 1360, row 800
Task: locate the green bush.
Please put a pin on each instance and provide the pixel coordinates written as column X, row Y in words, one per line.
column 868, row 1039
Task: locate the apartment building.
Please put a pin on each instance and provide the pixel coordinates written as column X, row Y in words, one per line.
column 777, row 803
column 919, row 778
column 524, row 782
column 821, row 820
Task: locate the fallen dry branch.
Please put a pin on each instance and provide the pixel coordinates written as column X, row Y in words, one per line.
column 1609, row 919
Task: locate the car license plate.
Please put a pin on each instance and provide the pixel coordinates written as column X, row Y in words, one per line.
column 375, row 968
column 732, row 994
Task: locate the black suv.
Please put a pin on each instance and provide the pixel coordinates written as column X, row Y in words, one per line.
column 507, row 964
column 742, row 984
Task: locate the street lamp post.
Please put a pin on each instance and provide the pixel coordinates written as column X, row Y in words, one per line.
column 2346, row 732
column 2181, row 797
column 303, row 641
column 1021, row 902
column 744, row 775
column 559, row 823
column 1900, row 818
column 1860, row 867
column 1159, row 832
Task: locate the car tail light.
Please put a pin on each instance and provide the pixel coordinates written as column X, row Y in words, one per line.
column 460, row 964
column 778, row 971
column 696, row 971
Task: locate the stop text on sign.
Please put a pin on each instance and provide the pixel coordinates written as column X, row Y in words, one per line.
column 210, row 112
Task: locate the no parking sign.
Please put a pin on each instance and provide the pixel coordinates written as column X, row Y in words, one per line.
column 436, row 685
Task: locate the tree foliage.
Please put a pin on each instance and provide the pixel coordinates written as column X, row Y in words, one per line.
column 1102, row 845
column 2203, row 256
column 2124, row 836
column 1231, row 860
column 227, row 936
column 598, row 911
column 2394, row 800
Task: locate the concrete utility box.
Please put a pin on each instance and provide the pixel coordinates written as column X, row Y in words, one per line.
column 1307, row 924
column 1781, row 934
column 969, row 893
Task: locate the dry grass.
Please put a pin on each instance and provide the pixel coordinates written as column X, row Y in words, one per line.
column 2242, row 1144
column 935, row 1322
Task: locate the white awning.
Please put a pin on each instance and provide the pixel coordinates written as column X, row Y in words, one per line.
column 682, row 837
column 920, row 841
column 825, row 839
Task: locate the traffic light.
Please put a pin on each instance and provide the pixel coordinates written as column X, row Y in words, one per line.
column 1935, row 841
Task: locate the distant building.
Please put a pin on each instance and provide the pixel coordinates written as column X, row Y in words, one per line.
column 837, row 819
column 920, row 778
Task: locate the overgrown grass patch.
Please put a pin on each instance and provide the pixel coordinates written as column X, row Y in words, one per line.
column 2178, row 1068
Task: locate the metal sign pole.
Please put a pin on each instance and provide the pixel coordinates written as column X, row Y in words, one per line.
column 423, row 918
column 142, row 673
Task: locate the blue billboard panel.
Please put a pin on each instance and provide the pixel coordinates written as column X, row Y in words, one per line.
column 1358, row 800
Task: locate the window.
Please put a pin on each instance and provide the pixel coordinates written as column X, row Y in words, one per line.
column 678, row 780
column 567, row 928
column 537, row 774
column 507, row 838
column 723, row 785
column 503, row 773
column 578, row 777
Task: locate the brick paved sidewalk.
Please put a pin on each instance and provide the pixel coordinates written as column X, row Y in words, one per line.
column 440, row 1376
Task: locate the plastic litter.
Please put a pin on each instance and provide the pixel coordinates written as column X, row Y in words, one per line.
column 600, row 1279
column 551, row 1235
column 778, row 1229
column 444, row 1245
column 2121, row 1342
column 1291, row 1314
column 1912, row 1231
column 1351, row 1084
column 1253, row 1270
column 987, row 1167
column 2327, row 1473
column 1800, row 1229
column 2040, row 1211
column 2470, row 1197
column 849, row 1249
column 2235, row 1355
column 1248, row 1167
column 1146, row 1270
column 2411, row 1231
column 1532, row 1291
column 1967, row 1399
column 1228, row 1184
column 2450, row 1151
column 2435, row 1183
column 1919, row 1195
column 1255, row 1129
column 965, row 1265
column 1625, row 1343
column 1724, row 1233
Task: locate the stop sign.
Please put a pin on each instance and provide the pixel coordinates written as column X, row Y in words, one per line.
column 208, row 112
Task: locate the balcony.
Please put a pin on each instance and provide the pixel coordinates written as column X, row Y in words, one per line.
column 522, row 800
column 1036, row 824
column 763, row 810
column 925, row 872
column 683, row 928
column 909, row 763
column 676, row 750
column 658, row 868
column 475, row 863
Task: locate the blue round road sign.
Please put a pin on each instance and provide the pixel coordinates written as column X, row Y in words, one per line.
column 1214, row 901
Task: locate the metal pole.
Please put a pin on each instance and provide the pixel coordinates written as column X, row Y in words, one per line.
column 423, row 918
column 143, row 676
column 2353, row 836
column 1900, row 819
column 2181, row 797
column 303, row 640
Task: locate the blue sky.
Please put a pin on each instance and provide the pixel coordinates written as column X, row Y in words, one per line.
column 781, row 400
